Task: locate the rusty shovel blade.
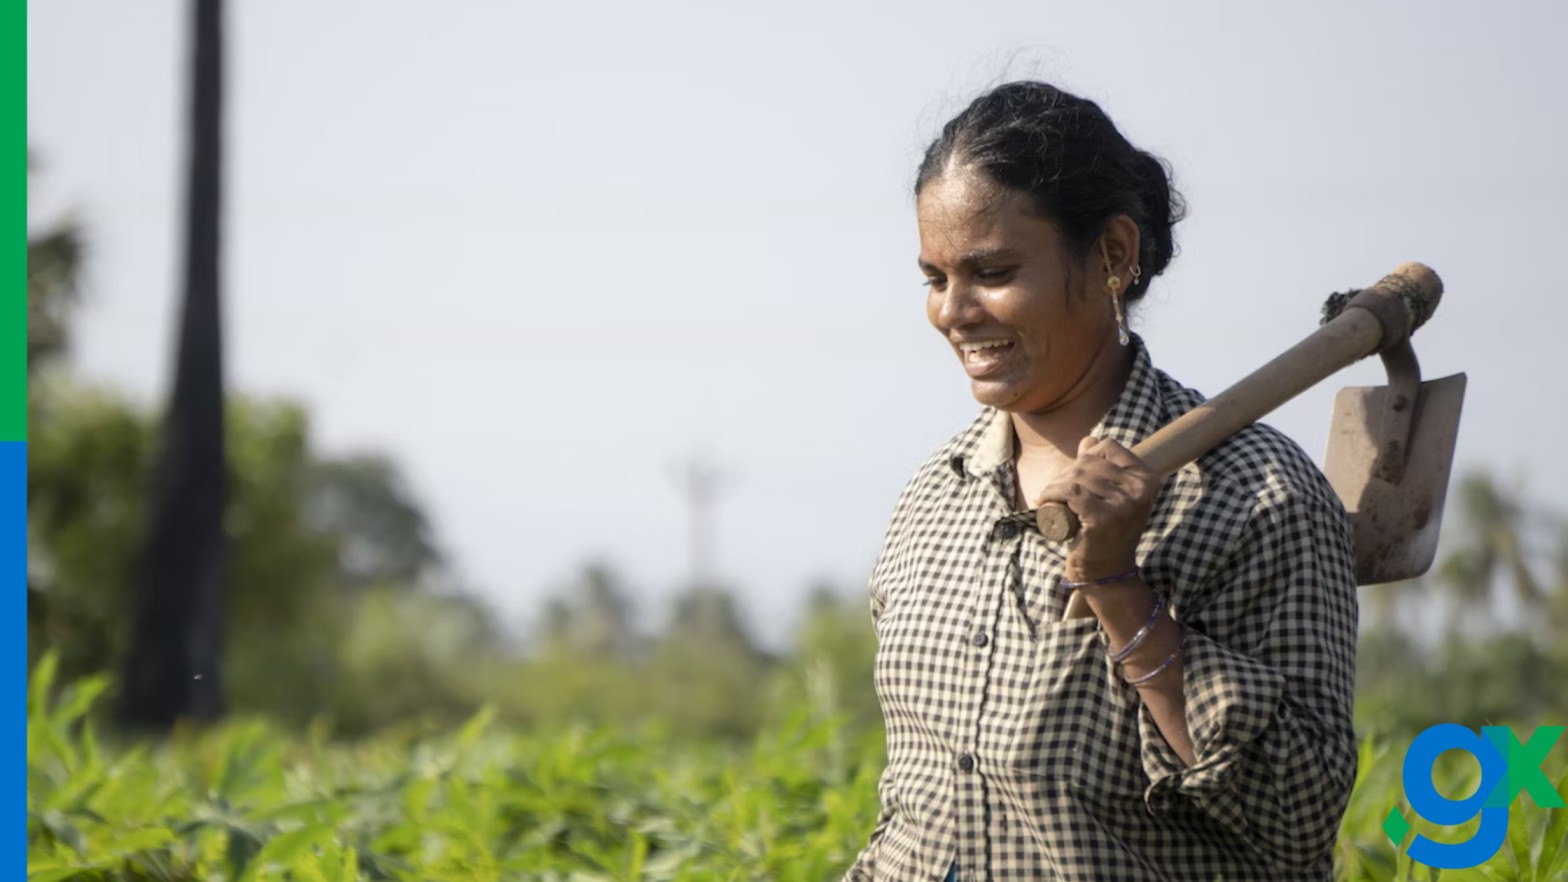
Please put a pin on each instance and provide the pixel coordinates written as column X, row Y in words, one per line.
column 1394, row 487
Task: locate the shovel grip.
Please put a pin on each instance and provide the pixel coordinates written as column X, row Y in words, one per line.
column 1057, row 522
column 1383, row 317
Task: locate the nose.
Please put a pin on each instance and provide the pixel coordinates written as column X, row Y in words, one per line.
column 956, row 306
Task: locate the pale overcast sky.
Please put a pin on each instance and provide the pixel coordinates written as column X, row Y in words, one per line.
column 543, row 252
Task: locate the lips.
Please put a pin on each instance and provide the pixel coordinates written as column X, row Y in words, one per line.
column 985, row 357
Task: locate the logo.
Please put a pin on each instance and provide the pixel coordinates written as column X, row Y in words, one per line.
column 1507, row 767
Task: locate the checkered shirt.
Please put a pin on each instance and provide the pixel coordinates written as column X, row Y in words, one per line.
column 1015, row 749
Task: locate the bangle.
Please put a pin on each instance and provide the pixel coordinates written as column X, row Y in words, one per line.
column 1139, row 681
column 1144, row 632
column 1095, row 583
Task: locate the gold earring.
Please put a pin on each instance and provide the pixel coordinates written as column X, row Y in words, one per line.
column 1121, row 319
column 1136, row 274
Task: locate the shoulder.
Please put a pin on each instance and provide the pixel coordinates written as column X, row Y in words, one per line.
column 1254, row 507
column 1258, row 462
column 924, row 505
column 930, row 498
column 942, row 468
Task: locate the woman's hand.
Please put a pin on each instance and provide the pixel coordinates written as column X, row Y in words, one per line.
column 1112, row 493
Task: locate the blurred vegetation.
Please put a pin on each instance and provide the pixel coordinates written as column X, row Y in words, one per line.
column 341, row 606
column 248, row 800
column 1483, row 638
column 626, row 744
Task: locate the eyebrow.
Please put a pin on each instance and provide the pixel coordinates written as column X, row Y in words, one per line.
column 975, row 258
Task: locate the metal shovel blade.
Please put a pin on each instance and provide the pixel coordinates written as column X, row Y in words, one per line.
column 1395, row 523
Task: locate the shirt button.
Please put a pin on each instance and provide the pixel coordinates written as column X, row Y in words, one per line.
column 1007, row 530
column 966, row 762
column 980, row 638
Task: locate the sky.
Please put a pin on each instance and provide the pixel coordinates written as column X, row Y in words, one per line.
column 544, row 254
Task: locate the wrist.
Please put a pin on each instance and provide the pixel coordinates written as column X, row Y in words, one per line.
column 1122, row 608
column 1096, row 571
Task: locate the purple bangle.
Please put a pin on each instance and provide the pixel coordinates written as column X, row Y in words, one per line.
column 1143, row 633
column 1139, row 681
column 1095, row 583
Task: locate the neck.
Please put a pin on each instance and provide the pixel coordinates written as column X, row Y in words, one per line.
column 1056, row 431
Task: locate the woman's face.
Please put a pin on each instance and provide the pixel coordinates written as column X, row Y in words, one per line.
column 1018, row 308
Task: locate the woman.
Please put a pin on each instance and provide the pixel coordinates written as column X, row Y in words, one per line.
column 1195, row 722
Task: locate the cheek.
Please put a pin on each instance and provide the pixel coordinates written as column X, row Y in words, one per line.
column 934, row 310
column 1038, row 320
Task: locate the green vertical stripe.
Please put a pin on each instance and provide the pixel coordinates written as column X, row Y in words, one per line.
column 13, row 315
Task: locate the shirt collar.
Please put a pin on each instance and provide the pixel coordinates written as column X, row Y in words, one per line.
column 988, row 443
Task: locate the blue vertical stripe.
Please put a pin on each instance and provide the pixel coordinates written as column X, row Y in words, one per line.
column 13, row 533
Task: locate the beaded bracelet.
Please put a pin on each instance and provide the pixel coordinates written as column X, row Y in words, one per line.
column 1139, row 681
column 1095, row 583
column 1144, row 632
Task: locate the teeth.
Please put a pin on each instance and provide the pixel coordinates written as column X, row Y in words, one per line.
column 971, row 348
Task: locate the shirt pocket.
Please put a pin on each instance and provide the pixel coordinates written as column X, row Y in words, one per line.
column 1077, row 724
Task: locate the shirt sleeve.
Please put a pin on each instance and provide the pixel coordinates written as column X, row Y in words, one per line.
column 1269, row 680
column 864, row 867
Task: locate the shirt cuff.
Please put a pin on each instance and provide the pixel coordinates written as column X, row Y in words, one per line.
column 1231, row 699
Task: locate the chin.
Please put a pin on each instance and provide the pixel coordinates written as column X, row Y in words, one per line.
column 1000, row 395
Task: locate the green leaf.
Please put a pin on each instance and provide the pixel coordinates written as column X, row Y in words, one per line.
column 347, row 867
column 40, row 683
column 59, row 829
column 416, row 799
column 242, row 847
column 284, row 848
column 62, row 874
column 638, row 856
column 475, row 727
column 1495, row 875
column 1554, row 842
column 79, row 699
column 145, row 839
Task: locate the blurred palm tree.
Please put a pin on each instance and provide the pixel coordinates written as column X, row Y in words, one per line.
column 1496, row 544
column 54, row 268
column 1385, row 602
column 593, row 619
column 1557, row 604
column 54, row 263
column 384, row 535
column 708, row 616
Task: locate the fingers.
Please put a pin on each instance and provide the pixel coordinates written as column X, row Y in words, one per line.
column 1110, row 450
column 1104, row 471
column 1112, row 492
column 1116, row 454
column 1100, row 486
column 1090, row 482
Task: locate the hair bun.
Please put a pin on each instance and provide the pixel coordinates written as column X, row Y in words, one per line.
column 1163, row 208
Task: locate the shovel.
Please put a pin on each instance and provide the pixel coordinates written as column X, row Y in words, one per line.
column 1390, row 449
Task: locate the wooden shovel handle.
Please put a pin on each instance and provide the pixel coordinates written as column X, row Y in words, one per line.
column 1369, row 324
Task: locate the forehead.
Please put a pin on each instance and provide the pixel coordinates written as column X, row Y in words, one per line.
column 964, row 211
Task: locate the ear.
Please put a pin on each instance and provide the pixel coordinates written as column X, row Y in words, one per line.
column 1119, row 248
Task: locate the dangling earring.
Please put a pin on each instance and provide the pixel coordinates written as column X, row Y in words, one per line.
column 1115, row 283
column 1136, row 275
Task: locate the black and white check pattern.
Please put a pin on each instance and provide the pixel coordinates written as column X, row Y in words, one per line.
column 1013, row 746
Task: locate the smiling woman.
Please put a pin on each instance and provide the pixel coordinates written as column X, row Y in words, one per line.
column 1196, row 722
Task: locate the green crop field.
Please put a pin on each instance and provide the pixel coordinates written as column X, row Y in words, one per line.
column 246, row 801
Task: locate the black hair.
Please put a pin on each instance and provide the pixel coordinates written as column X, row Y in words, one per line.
column 1069, row 158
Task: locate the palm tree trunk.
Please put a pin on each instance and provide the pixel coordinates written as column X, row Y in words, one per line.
column 172, row 668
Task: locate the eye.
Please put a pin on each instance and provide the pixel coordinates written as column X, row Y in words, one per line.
column 995, row 275
column 935, row 283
